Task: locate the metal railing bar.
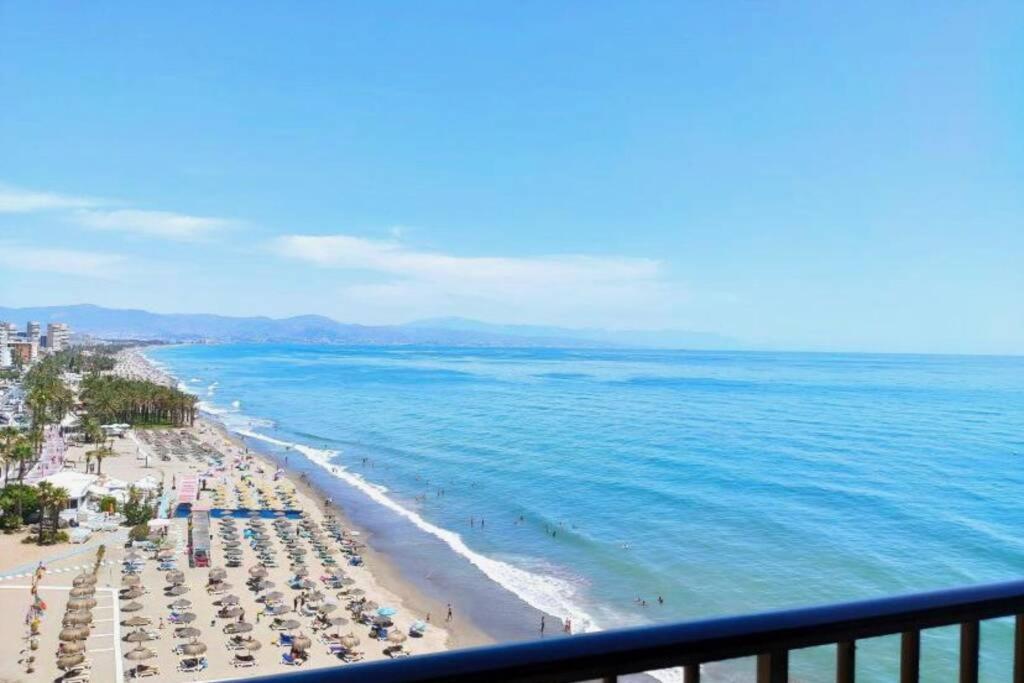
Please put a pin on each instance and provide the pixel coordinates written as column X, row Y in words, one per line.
column 910, row 657
column 691, row 674
column 846, row 661
column 970, row 636
column 596, row 655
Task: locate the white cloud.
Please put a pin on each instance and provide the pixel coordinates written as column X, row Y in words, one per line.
column 61, row 261
column 561, row 289
column 163, row 224
column 19, row 200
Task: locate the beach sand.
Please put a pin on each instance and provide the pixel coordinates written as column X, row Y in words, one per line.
column 380, row 581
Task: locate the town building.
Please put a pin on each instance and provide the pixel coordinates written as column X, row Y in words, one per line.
column 57, row 336
column 32, row 331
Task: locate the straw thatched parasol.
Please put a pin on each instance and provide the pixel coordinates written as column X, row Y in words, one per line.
column 181, row 603
column 257, row 572
column 301, row 572
column 81, row 603
column 132, row 593
column 238, row 627
column 327, row 608
column 369, row 606
column 84, row 580
column 301, row 643
column 131, row 607
column 229, row 600
column 175, row 576
column 72, row 647
column 177, row 589
column 263, row 585
column 78, row 617
column 252, row 644
column 193, row 648
column 136, row 621
column 357, row 592
column 231, row 612
column 216, row 574
column 82, row 591
column 289, row 624
column 349, row 641
column 131, row 580
column 137, row 637
column 273, row 596
column 72, row 633
column 186, row 617
column 139, row 654
column 72, row 661
column 397, row 637
column 186, row 632
column 165, row 554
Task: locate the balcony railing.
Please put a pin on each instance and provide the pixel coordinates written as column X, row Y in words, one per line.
column 769, row 637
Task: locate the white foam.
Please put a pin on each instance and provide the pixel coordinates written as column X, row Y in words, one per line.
column 547, row 593
column 236, row 404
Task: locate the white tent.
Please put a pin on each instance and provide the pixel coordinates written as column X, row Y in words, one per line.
column 75, row 483
column 147, row 483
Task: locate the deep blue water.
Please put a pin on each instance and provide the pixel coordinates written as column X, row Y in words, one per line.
column 723, row 482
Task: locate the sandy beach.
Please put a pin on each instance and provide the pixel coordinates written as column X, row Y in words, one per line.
column 306, row 558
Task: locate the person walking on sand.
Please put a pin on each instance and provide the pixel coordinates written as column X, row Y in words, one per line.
column 449, row 617
column 542, row 625
column 568, row 626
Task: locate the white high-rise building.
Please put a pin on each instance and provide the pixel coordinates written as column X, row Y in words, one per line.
column 57, row 336
column 5, row 351
column 32, row 331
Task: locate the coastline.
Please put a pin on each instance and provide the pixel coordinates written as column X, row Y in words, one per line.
column 390, row 572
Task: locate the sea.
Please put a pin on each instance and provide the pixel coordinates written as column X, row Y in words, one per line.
column 588, row 484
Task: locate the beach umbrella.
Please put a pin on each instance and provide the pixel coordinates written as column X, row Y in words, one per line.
column 273, row 596
column 301, row 643
column 258, row 572
column 350, row 641
column 177, row 589
column 231, row 612
column 387, row 612
column 347, row 581
column 220, row 586
column 132, row 593
column 193, row 648
column 186, row 632
column 397, row 637
column 357, row 592
column 175, row 576
column 229, row 600
column 314, row 596
column 231, row 544
column 73, row 633
column 81, row 603
column 327, row 608
column 136, row 621
column 137, row 637
column 132, row 557
column 301, row 573
column 278, row 608
column 263, row 585
column 289, row 624
column 70, row 661
column 139, row 654
column 181, row 603
column 299, row 552
column 218, row 574
column 369, row 606
column 84, row 580
column 307, row 584
column 238, row 627
column 78, row 618
column 165, row 554
column 252, row 644
column 71, row 648
column 131, row 580
column 82, row 591
column 186, row 618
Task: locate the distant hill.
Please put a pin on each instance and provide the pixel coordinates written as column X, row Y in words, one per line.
column 114, row 323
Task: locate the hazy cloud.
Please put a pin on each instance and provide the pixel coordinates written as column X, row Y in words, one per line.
column 19, row 200
column 61, row 261
column 165, row 224
column 572, row 288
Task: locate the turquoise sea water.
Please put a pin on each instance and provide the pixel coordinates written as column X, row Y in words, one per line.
column 723, row 482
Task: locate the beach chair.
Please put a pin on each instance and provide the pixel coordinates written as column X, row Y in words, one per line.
column 243, row 660
column 145, row 671
column 290, row 660
column 192, row 664
column 336, row 649
column 352, row 656
column 285, row 640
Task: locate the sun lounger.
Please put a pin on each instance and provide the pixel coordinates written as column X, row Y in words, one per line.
column 353, row 656
column 243, row 660
column 145, row 671
column 288, row 659
column 192, row 664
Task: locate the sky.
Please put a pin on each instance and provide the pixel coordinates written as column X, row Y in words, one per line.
column 795, row 175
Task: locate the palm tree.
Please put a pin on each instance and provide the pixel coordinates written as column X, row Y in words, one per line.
column 51, row 500
column 8, row 437
column 99, row 454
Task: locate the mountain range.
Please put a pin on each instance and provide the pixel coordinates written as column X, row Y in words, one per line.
column 115, row 323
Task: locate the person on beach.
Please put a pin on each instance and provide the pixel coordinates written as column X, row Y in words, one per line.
column 449, row 617
column 568, row 626
column 542, row 625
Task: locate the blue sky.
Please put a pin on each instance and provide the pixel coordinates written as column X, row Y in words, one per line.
column 801, row 175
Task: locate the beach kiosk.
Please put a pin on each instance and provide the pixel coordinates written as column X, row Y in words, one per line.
column 199, row 538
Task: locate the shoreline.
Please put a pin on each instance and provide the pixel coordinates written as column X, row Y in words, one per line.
column 462, row 631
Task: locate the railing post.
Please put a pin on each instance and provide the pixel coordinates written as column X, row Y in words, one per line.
column 691, row 673
column 910, row 657
column 970, row 635
column 773, row 667
column 846, row 661
column 1018, row 649
column 610, row 679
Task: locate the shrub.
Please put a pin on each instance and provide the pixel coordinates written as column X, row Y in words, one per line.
column 139, row 532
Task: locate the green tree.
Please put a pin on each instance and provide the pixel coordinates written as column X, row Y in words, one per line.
column 52, row 500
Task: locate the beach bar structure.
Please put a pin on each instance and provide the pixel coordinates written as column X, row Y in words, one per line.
column 199, row 538
column 769, row 637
